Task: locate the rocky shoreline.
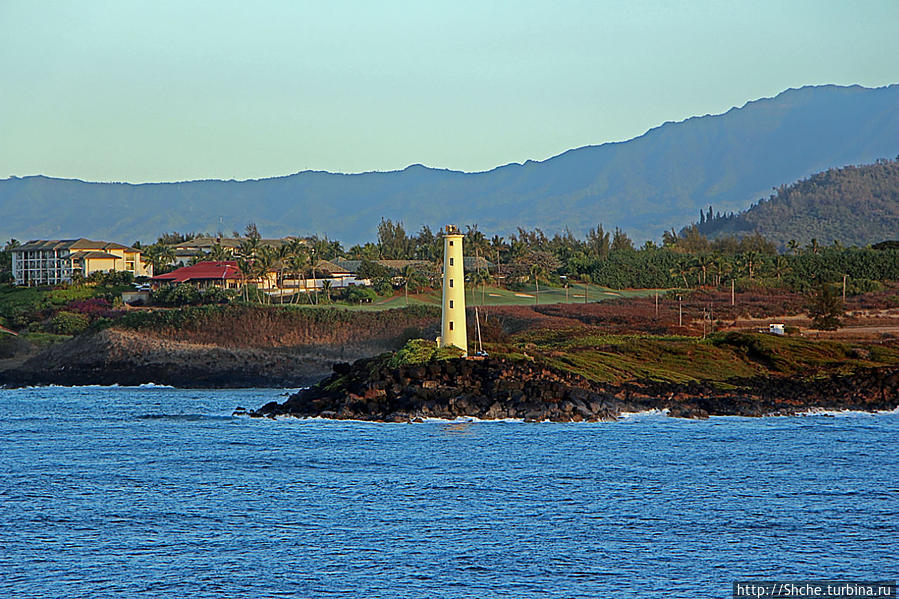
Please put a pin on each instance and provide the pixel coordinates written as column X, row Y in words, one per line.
column 370, row 389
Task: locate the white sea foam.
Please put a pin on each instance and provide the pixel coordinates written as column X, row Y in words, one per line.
column 643, row 414
column 839, row 413
column 113, row 386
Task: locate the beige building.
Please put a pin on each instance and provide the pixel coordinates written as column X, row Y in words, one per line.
column 54, row 262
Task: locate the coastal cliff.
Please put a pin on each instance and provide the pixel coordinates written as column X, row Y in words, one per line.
column 233, row 346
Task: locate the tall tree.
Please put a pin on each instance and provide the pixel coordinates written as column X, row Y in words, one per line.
column 393, row 242
column 537, row 272
column 825, row 308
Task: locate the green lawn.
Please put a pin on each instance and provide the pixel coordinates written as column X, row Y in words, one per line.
column 498, row 296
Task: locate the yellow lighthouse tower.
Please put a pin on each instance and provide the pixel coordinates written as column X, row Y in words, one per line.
column 453, row 330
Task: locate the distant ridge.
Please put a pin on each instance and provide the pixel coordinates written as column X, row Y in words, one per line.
column 651, row 183
column 857, row 205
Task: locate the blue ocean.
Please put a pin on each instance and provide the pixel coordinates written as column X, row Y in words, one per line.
column 160, row 492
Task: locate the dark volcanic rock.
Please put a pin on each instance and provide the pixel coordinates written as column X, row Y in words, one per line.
column 370, row 389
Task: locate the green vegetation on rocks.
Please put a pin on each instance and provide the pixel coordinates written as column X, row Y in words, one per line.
column 421, row 351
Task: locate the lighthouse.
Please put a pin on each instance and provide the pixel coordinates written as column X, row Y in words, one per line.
column 452, row 329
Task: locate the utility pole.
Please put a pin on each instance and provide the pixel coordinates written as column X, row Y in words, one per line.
column 844, row 288
column 657, row 304
column 680, row 311
column 732, row 302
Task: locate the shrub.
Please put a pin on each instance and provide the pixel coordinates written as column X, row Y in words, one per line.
column 360, row 295
column 382, row 286
column 420, row 351
column 69, row 323
column 178, row 295
column 859, row 286
column 89, row 307
column 217, row 295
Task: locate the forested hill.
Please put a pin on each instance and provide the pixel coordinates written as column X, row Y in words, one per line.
column 855, row 205
column 646, row 185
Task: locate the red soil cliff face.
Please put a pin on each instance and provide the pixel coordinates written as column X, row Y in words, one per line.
column 239, row 347
column 269, row 327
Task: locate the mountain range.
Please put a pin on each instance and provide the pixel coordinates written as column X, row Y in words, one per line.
column 857, row 205
column 654, row 182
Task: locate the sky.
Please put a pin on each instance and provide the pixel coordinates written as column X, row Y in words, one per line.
column 164, row 90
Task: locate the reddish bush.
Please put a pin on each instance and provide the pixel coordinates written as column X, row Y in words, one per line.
column 93, row 307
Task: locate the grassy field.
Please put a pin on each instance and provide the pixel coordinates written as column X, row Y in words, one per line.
column 498, row 296
column 719, row 358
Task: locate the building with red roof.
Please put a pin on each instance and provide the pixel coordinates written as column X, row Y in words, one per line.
column 218, row 273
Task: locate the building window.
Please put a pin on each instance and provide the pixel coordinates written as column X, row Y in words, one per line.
column 451, row 282
column 451, row 261
column 451, row 303
column 451, row 242
column 451, row 325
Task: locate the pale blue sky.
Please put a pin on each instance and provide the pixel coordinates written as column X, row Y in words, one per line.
column 173, row 90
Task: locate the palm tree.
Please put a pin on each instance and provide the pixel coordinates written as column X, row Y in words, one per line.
column 750, row 260
column 282, row 255
column 793, row 246
column 246, row 262
column 245, row 266
column 517, row 251
column 218, row 253
column 813, row 246
column 681, row 269
column 158, row 256
column 723, row 268
column 249, row 247
column 781, row 267
column 480, row 277
column 703, row 262
column 537, row 271
column 264, row 264
column 496, row 246
column 475, row 241
column 297, row 264
column 314, row 282
column 326, row 287
column 410, row 275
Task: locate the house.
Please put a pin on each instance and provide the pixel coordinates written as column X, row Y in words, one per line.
column 58, row 261
column 220, row 273
column 186, row 251
column 337, row 275
column 214, row 273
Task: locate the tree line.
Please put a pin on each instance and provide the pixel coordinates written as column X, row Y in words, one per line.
column 604, row 257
